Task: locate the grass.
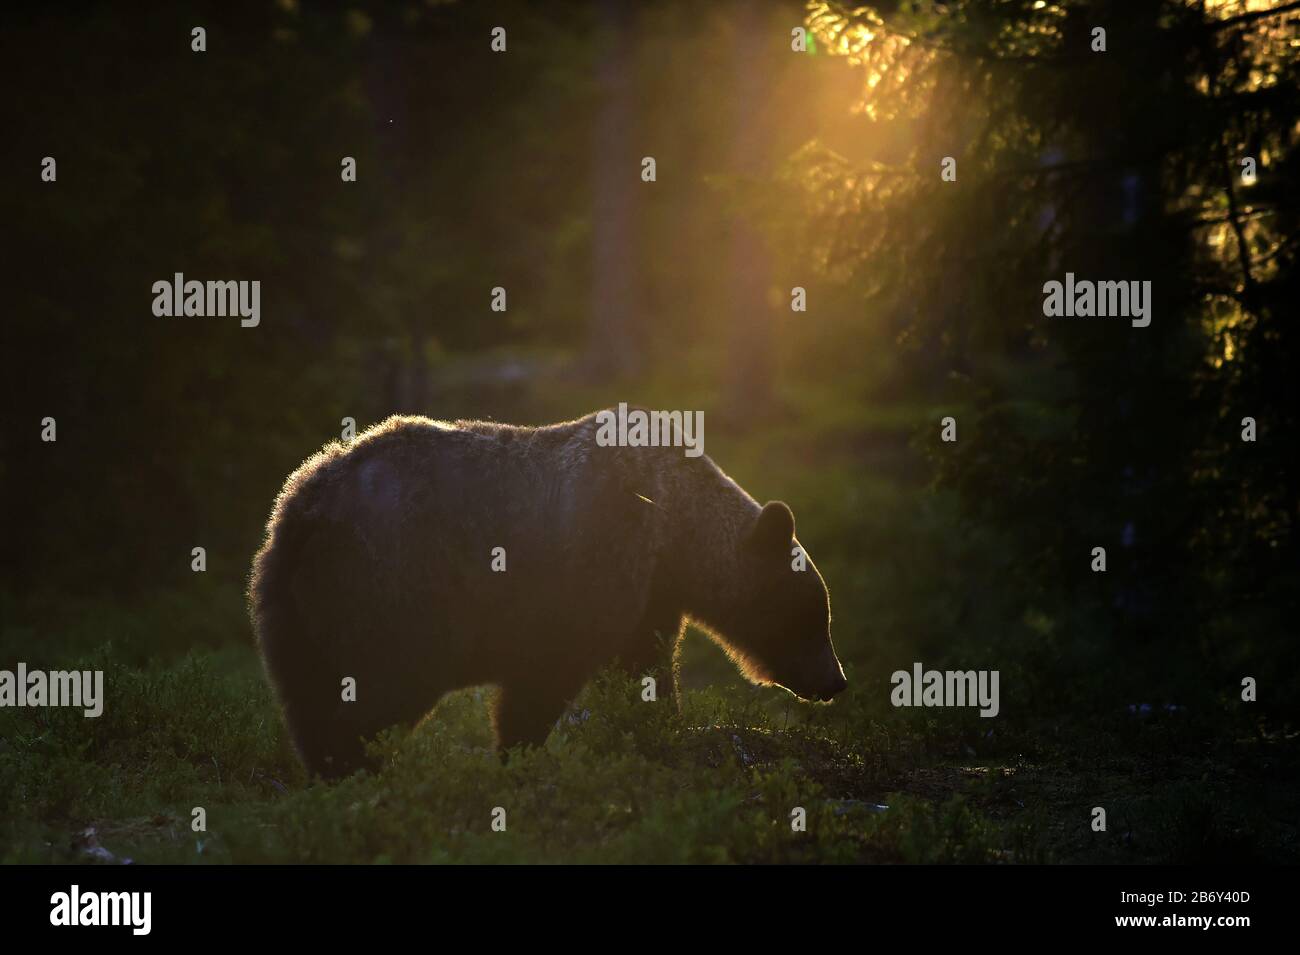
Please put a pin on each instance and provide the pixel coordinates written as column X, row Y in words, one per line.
column 190, row 722
column 618, row 781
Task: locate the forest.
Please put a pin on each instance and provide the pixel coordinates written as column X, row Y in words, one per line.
column 840, row 256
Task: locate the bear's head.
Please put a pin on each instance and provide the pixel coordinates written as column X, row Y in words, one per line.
column 777, row 628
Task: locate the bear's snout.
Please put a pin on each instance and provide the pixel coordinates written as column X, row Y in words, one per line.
column 826, row 679
column 838, row 683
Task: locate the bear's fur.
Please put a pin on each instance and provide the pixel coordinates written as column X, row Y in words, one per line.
column 377, row 565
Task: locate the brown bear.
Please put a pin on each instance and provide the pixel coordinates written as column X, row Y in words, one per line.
column 425, row 556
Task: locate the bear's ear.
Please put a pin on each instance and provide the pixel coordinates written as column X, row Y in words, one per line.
column 774, row 529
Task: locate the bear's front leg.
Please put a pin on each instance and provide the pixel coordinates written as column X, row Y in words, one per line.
column 656, row 656
column 524, row 714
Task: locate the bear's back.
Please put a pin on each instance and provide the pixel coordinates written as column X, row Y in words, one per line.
column 416, row 489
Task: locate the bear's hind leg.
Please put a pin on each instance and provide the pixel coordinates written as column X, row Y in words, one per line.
column 330, row 733
column 329, row 747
